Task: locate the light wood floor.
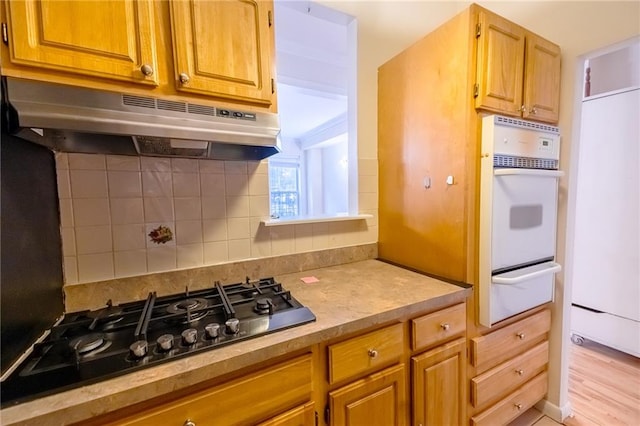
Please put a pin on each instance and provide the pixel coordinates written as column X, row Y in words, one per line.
column 604, row 387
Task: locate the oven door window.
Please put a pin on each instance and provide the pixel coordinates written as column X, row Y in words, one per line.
column 524, row 219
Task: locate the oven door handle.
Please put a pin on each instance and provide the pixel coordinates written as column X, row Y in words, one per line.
column 529, row 172
column 510, row 278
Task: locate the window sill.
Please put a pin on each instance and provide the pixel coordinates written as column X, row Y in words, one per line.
column 314, row 219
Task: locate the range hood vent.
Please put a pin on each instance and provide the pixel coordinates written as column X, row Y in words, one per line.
column 73, row 119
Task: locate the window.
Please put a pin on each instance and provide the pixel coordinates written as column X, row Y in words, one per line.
column 284, row 184
column 315, row 174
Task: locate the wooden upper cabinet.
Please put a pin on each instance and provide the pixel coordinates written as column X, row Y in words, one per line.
column 224, row 48
column 500, row 64
column 111, row 39
column 518, row 72
column 541, row 79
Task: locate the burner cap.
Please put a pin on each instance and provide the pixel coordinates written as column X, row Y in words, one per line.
column 189, row 305
column 264, row 305
column 89, row 343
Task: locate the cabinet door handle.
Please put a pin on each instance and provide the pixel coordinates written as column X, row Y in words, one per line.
column 189, row 423
column 522, row 108
column 520, row 372
column 520, row 336
column 445, row 326
column 518, row 406
column 533, row 111
column 146, row 69
column 184, row 78
column 372, row 353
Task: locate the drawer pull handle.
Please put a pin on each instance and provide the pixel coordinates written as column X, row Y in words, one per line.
column 189, row 423
column 444, row 326
column 520, row 336
column 372, row 353
column 518, row 406
column 520, row 372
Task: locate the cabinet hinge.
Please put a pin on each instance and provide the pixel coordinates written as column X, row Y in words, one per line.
column 478, row 26
column 270, row 18
column 326, row 415
column 5, row 34
column 316, row 413
column 273, row 86
column 476, row 90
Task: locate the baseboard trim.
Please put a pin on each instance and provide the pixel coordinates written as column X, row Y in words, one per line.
column 558, row 414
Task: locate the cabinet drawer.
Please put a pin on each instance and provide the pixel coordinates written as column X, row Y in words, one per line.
column 509, row 375
column 365, row 353
column 271, row 391
column 500, row 345
column 437, row 327
column 515, row 404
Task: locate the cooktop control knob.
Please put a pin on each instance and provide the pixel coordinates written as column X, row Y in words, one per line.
column 213, row 330
column 233, row 325
column 138, row 348
column 189, row 336
column 165, row 342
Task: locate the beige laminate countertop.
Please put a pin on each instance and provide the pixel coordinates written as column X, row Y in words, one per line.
column 347, row 298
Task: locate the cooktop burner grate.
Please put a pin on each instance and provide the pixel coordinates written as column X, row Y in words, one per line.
column 90, row 346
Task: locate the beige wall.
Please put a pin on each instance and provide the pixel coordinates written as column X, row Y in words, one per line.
column 385, row 28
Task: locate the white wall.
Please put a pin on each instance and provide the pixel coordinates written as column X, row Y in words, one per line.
column 385, row 28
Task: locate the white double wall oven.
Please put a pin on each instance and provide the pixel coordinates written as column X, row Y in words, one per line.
column 518, row 212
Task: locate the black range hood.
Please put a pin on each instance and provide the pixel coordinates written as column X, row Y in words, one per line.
column 74, row 119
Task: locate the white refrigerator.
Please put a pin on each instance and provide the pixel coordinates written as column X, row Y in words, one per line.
column 606, row 257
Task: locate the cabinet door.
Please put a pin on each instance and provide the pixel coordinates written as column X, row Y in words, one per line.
column 379, row 399
column 500, row 64
column 110, row 39
column 224, row 48
column 438, row 385
column 303, row 415
column 541, row 80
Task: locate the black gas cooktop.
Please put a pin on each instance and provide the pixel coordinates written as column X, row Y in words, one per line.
column 89, row 346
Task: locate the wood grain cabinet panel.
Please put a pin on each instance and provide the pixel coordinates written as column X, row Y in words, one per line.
column 509, row 375
column 303, row 415
column 378, row 399
column 113, row 40
column 438, row 380
column 224, row 49
column 500, row 345
column 518, row 72
column 438, row 327
column 267, row 392
column 369, row 352
column 515, row 404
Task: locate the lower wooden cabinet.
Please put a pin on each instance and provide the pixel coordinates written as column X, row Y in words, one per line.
column 246, row 400
column 378, row 399
column 438, row 380
column 303, row 415
column 510, row 369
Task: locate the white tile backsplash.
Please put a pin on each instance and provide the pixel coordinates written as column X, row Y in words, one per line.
column 110, row 204
column 189, row 208
column 186, row 185
column 124, row 184
column 190, row 255
column 123, row 162
column 126, row 211
column 86, row 161
column 129, row 263
column 158, row 209
column 95, row 267
column 91, row 211
column 157, row 184
column 88, row 183
column 129, row 237
column 93, row 239
column 188, row 232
